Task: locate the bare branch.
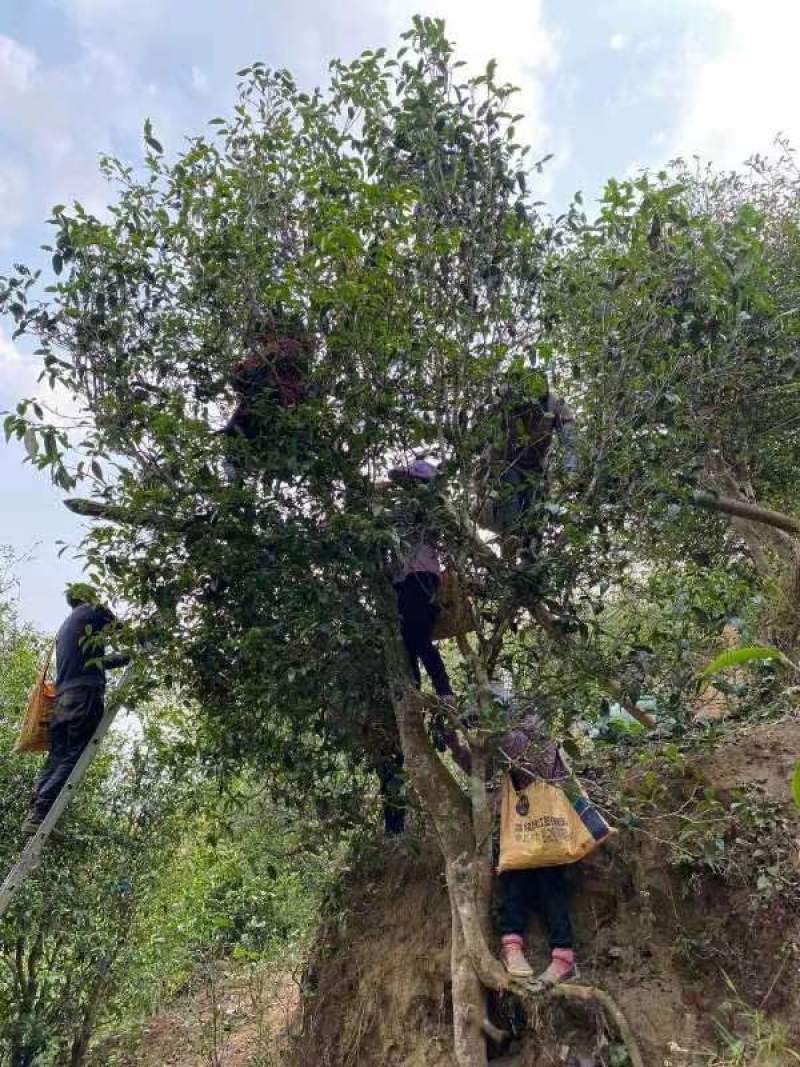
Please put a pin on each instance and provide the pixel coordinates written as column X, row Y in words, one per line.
column 741, row 508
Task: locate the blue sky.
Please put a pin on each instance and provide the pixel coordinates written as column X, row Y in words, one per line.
column 609, row 87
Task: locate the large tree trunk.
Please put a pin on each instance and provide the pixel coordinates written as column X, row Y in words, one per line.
column 463, row 828
column 449, row 809
column 451, row 813
column 469, row 999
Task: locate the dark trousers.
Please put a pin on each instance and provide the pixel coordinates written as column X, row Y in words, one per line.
column 75, row 718
column 393, row 793
column 543, row 890
column 418, row 614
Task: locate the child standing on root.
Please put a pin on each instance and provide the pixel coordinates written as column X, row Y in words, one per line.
column 416, row 581
column 531, row 756
column 544, row 891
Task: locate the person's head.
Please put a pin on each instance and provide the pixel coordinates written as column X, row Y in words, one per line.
column 78, row 593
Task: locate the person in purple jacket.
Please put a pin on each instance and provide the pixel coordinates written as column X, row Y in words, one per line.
column 416, row 581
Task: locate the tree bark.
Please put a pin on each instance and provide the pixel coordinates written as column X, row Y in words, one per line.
column 451, row 814
column 468, row 997
column 449, row 809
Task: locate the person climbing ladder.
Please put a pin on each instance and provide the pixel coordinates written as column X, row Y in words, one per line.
column 81, row 665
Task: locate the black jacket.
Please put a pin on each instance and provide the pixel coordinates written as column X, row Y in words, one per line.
column 78, row 643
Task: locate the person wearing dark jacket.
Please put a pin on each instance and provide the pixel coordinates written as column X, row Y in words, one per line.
column 81, row 665
column 272, row 376
column 516, row 461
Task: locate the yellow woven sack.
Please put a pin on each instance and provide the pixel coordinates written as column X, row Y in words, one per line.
column 454, row 616
column 540, row 828
column 34, row 734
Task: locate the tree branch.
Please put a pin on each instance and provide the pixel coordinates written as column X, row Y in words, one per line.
column 96, row 509
column 728, row 505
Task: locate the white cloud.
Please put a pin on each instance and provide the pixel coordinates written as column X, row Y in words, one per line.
column 17, row 66
column 19, row 374
column 14, row 184
column 117, row 18
column 618, row 41
column 56, row 119
column 199, row 80
column 745, row 91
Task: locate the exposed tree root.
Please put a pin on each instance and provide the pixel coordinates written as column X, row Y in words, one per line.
column 585, row 994
column 461, row 879
column 588, row 994
column 494, row 1033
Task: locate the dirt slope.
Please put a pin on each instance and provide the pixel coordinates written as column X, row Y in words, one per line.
column 692, row 916
column 232, row 1021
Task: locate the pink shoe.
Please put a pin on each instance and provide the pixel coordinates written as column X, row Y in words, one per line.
column 514, row 958
column 561, row 969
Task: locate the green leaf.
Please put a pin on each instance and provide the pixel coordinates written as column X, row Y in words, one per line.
column 734, row 657
column 796, row 785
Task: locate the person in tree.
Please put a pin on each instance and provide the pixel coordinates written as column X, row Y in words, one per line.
column 527, row 753
column 272, row 376
column 81, row 665
column 524, row 419
column 416, row 582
